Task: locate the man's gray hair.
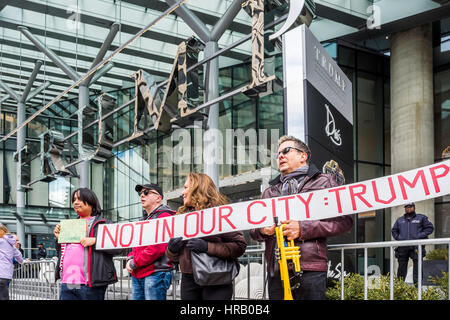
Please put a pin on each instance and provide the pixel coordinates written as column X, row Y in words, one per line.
column 298, row 144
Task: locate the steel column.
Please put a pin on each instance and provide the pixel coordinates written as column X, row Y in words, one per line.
column 83, row 167
column 211, row 166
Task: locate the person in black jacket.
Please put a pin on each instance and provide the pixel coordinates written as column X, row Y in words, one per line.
column 410, row 226
column 85, row 272
column 42, row 252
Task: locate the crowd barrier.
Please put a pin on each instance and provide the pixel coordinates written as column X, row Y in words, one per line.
column 35, row 280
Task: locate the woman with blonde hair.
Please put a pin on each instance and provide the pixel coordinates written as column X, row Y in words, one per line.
column 8, row 252
column 199, row 193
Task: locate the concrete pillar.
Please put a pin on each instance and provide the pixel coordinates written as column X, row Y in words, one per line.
column 412, row 125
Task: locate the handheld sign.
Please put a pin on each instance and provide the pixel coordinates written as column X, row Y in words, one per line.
column 72, row 230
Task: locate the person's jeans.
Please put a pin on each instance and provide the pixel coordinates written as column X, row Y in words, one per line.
column 81, row 292
column 4, row 293
column 152, row 287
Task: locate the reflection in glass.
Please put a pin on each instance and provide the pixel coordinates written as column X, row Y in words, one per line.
column 59, row 193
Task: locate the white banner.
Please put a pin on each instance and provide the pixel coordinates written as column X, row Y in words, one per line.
column 390, row 191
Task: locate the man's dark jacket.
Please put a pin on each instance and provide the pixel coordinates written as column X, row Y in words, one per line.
column 313, row 234
column 412, row 226
column 42, row 253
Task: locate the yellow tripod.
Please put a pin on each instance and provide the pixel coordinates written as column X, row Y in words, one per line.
column 286, row 251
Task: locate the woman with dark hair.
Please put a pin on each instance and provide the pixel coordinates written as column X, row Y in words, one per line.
column 199, row 193
column 85, row 273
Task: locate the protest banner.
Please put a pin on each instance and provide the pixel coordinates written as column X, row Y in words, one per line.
column 389, row 191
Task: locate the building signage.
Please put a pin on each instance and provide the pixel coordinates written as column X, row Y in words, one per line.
column 318, row 100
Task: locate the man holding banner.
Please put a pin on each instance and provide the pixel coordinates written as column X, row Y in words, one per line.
column 299, row 175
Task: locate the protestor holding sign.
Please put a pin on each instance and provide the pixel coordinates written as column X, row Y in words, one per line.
column 84, row 271
column 149, row 266
column 299, row 175
column 199, row 193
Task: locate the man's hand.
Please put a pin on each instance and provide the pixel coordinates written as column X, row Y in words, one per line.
column 128, row 266
column 87, row 242
column 291, row 229
column 57, row 230
column 175, row 244
column 268, row 231
column 197, row 245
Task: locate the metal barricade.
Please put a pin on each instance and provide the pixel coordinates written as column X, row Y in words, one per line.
column 34, row 280
column 391, row 245
column 249, row 284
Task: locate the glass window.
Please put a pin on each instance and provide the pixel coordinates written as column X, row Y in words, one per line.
column 387, row 122
column 60, row 193
column 225, row 126
column 165, row 164
column 369, row 62
column 441, row 112
column 37, row 127
column 346, row 56
column 271, row 122
column 442, row 219
column 370, row 224
column 370, row 117
column 246, row 140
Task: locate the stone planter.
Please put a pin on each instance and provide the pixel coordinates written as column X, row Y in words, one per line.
column 433, row 268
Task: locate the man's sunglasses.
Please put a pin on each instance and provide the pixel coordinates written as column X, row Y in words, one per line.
column 287, row 149
column 146, row 192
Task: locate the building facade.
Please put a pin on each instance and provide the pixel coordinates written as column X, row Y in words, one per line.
column 397, row 60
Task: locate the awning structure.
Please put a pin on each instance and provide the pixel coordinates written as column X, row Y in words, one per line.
column 75, row 30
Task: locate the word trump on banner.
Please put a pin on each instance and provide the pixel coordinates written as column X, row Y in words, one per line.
column 414, row 185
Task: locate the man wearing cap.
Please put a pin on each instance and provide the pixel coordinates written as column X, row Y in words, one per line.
column 410, row 226
column 150, row 268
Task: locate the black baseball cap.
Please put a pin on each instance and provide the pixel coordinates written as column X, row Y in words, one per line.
column 150, row 186
column 411, row 204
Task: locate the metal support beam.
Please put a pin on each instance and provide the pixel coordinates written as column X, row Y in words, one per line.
column 38, row 90
column 101, row 53
column 72, row 74
column 224, row 22
column 20, row 142
column 4, row 99
column 8, row 90
column 101, row 72
column 211, row 166
column 83, row 166
column 30, row 82
column 83, row 91
column 192, row 21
